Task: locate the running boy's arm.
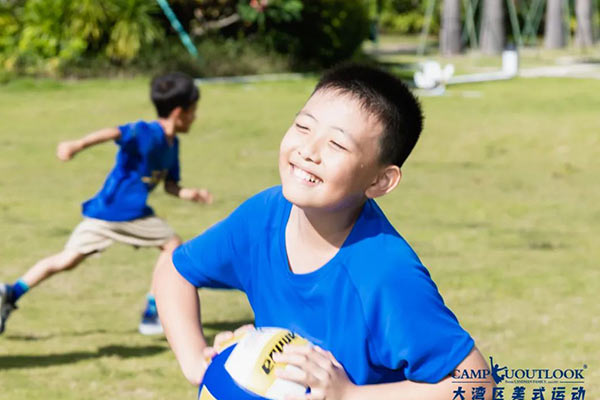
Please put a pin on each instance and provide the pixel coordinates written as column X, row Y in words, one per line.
column 191, row 194
column 68, row 148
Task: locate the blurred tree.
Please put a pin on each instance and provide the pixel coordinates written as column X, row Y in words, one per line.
column 406, row 17
column 584, row 34
column 492, row 33
column 214, row 15
column 555, row 29
column 134, row 27
column 328, row 32
column 450, row 33
column 314, row 33
column 42, row 36
column 47, row 39
column 402, row 6
column 9, row 33
column 89, row 20
column 274, row 11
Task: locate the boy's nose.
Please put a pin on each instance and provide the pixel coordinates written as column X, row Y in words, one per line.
column 309, row 151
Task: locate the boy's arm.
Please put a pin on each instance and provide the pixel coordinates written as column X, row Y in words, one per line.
column 443, row 390
column 67, row 149
column 328, row 380
column 191, row 194
column 179, row 310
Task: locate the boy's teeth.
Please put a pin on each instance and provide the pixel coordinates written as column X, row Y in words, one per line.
column 304, row 175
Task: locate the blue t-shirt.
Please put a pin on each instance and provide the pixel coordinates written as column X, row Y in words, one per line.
column 143, row 160
column 373, row 305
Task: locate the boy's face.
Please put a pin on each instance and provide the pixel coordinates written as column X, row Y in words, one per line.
column 330, row 155
column 186, row 118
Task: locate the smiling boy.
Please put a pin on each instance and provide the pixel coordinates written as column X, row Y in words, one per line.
column 317, row 256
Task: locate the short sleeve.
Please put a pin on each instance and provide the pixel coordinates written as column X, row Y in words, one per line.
column 173, row 174
column 216, row 258
column 413, row 330
column 128, row 135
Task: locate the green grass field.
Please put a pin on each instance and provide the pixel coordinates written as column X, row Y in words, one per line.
column 500, row 200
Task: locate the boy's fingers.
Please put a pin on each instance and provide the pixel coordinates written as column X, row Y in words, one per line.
column 292, row 374
column 206, row 196
column 222, row 337
column 311, row 358
column 313, row 368
column 329, row 356
column 209, row 353
column 306, row 374
column 61, row 153
column 242, row 329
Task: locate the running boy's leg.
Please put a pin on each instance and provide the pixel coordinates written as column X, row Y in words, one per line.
column 150, row 324
column 42, row 270
column 87, row 238
column 45, row 268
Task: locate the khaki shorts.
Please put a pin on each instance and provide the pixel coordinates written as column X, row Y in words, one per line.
column 94, row 235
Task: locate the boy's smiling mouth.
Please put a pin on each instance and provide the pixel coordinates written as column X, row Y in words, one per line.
column 305, row 176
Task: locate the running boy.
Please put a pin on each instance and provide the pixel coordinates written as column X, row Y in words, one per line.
column 317, row 255
column 148, row 153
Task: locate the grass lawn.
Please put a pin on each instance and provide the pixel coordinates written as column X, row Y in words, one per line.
column 500, row 200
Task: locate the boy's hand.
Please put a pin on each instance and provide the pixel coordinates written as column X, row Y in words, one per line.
column 67, row 149
column 319, row 370
column 223, row 340
column 196, row 195
column 195, row 373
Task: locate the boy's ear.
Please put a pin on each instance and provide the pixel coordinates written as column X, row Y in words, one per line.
column 385, row 182
column 176, row 112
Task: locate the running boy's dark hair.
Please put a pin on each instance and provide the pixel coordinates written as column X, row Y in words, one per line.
column 385, row 97
column 173, row 90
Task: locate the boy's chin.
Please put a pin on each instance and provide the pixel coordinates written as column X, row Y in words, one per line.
column 298, row 197
column 306, row 200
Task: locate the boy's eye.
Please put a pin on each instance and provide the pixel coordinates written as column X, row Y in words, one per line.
column 337, row 145
column 301, row 127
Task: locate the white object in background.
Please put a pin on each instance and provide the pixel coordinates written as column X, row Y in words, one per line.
column 510, row 62
column 510, row 69
column 432, row 76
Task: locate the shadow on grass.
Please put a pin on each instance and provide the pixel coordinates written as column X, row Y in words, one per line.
column 47, row 336
column 48, row 360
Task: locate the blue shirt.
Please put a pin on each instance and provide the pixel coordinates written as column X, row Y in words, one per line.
column 373, row 305
column 143, row 160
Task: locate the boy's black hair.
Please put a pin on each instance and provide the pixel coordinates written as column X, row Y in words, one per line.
column 385, row 97
column 173, row 90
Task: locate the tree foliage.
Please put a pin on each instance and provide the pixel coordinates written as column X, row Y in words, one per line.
column 329, row 31
column 134, row 27
column 51, row 36
column 314, row 33
column 44, row 35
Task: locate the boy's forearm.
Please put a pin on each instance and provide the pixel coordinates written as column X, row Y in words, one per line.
column 67, row 149
column 172, row 188
column 179, row 311
column 103, row 135
column 407, row 390
column 190, row 194
column 443, row 390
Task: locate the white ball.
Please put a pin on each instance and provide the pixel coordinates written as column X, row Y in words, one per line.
column 246, row 370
